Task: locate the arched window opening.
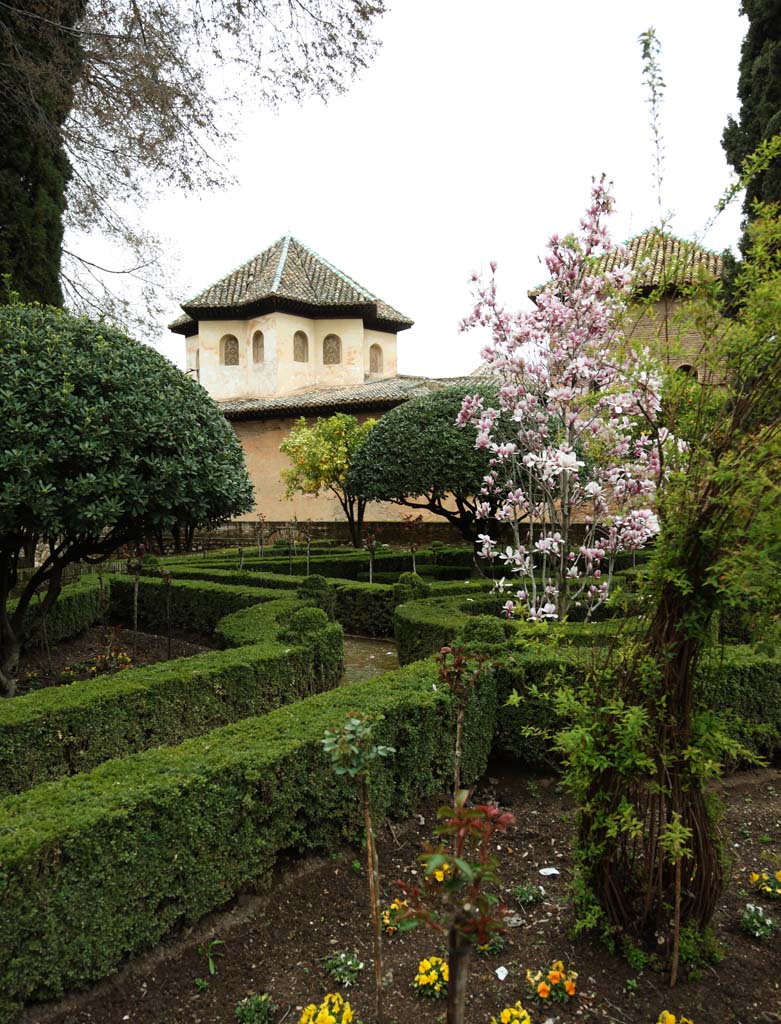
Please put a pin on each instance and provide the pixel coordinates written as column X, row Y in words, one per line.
column 230, row 350
column 300, row 347
column 332, row 350
column 258, row 351
column 375, row 359
column 688, row 370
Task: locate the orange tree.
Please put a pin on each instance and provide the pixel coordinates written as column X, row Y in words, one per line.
column 320, row 456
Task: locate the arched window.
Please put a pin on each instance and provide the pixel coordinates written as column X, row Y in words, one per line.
column 230, row 350
column 300, row 347
column 375, row 359
column 688, row 370
column 258, row 354
column 332, row 349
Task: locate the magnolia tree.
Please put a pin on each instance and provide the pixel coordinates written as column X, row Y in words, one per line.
column 575, row 478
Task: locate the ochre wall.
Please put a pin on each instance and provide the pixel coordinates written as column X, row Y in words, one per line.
column 260, row 440
column 672, row 336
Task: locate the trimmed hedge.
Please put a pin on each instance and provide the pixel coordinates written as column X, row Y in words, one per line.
column 79, row 606
column 365, row 609
column 67, row 729
column 422, row 627
column 344, row 565
column 196, row 605
column 97, row 866
column 747, row 686
column 231, row 577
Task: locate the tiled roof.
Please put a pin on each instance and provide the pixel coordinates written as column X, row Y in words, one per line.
column 288, row 276
column 656, row 257
column 373, row 394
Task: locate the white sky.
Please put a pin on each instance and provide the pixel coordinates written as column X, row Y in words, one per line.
column 473, row 136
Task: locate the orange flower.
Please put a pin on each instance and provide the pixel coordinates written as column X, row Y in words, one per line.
column 543, row 990
column 554, row 977
column 569, row 987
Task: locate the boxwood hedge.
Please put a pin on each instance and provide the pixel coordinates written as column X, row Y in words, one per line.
column 99, row 865
column 67, row 729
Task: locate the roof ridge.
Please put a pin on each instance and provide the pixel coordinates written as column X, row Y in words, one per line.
column 282, row 260
column 235, row 270
column 339, row 273
column 672, row 237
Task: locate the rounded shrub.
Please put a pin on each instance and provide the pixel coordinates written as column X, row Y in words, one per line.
column 484, row 631
column 304, row 622
column 316, row 590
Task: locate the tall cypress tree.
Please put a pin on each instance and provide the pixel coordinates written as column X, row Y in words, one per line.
column 36, row 95
column 759, row 91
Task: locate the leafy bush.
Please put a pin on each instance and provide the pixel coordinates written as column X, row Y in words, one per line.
column 228, row 804
column 410, row 587
column 318, row 591
column 63, row 730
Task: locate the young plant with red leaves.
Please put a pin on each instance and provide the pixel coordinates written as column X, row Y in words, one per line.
column 462, row 905
column 459, row 672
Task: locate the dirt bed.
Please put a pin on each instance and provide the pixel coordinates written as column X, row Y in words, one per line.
column 39, row 669
column 277, row 942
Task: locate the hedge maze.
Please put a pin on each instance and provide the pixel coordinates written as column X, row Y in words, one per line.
column 132, row 803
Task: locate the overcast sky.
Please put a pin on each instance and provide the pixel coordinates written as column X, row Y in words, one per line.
column 473, row 136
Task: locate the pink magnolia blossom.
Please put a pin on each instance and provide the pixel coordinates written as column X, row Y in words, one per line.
column 583, row 454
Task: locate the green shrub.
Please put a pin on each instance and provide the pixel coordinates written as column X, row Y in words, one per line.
column 318, row 591
column 410, row 587
column 81, row 604
column 63, row 730
column 484, row 631
column 196, row 605
column 365, row 609
column 102, row 864
column 304, row 623
column 423, row 627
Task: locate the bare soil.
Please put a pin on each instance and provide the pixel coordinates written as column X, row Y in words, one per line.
column 39, row 668
column 277, row 942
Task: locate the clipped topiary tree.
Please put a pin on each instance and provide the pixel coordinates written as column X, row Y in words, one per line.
column 417, row 456
column 103, row 440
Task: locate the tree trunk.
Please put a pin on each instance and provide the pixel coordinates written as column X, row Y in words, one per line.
column 458, row 951
column 374, row 898
column 10, row 650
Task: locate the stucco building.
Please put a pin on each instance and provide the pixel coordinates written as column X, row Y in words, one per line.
column 286, row 335
column 665, row 270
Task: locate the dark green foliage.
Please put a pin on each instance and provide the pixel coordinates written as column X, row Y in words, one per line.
column 237, row 577
column 410, row 587
column 746, row 686
column 35, row 170
column 482, row 632
column 417, row 456
column 80, row 606
column 89, row 874
column 365, row 609
column 318, row 591
column 102, row 433
column 304, row 623
column 527, row 729
column 104, row 441
column 63, row 730
column 759, row 91
column 196, row 605
column 423, row 627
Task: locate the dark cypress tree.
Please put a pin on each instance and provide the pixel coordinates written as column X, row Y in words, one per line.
column 759, row 91
column 35, row 99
